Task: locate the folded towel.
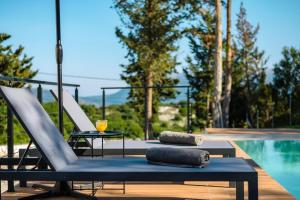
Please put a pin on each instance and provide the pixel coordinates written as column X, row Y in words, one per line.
column 178, row 157
column 180, row 138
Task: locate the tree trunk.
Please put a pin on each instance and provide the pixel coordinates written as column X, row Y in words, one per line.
column 217, row 110
column 149, row 105
column 228, row 69
column 208, row 124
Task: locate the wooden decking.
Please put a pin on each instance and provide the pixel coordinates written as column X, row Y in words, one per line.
column 268, row 189
column 283, row 131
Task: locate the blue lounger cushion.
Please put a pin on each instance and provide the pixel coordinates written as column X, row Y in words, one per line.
column 177, row 157
column 169, row 137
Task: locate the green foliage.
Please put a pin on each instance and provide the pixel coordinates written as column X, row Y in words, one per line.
column 200, row 67
column 249, row 76
column 120, row 118
column 251, row 96
column 183, row 108
column 125, row 119
column 287, row 72
column 13, row 63
column 150, row 31
column 286, row 85
column 20, row 136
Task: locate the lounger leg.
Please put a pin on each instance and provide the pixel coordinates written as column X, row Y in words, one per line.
column 41, row 187
column 50, row 194
column 62, row 190
column 253, row 188
column 82, row 196
column 239, row 190
column 231, row 183
column 23, row 183
column 38, row 196
column 124, row 188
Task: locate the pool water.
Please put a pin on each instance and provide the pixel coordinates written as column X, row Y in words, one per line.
column 280, row 159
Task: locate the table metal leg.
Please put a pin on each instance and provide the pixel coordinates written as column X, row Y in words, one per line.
column 71, row 139
column 232, row 184
column 102, row 148
column 253, row 188
column 22, row 182
column 124, row 189
column 77, row 140
column 92, row 147
column 93, row 185
column 123, row 145
column 239, row 190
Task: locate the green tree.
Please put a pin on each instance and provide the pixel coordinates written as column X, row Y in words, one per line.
column 199, row 72
column 286, row 82
column 287, row 71
column 248, row 72
column 150, row 32
column 13, row 63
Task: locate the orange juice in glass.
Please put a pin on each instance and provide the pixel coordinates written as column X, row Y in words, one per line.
column 101, row 125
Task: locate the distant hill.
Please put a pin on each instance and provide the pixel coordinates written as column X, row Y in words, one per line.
column 117, row 98
column 120, row 97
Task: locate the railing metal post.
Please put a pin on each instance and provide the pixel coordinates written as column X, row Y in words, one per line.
column 273, row 115
column 290, row 109
column 103, row 103
column 257, row 118
column 41, row 165
column 10, row 144
column 40, row 93
column 188, row 110
column 76, row 95
column 146, row 124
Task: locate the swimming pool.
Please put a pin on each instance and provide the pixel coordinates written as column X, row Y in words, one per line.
column 280, row 159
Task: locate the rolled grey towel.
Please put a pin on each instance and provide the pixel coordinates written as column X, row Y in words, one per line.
column 180, row 138
column 177, row 157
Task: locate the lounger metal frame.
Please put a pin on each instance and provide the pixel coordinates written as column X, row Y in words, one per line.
column 228, row 151
column 240, row 178
column 232, row 169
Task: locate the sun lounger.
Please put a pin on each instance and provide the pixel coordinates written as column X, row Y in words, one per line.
column 83, row 123
column 66, row 166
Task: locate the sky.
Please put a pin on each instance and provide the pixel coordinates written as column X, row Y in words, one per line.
column 92, row 49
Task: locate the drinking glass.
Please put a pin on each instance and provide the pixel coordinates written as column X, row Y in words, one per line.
column 101, row 125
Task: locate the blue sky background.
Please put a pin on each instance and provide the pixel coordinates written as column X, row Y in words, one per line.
column 92, row 49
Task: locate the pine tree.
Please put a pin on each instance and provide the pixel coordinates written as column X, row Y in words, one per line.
column 287, row 71
column 150, row 31
column 249, row 69
column 13, row 63
column 286, row 82
column 200, row 67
